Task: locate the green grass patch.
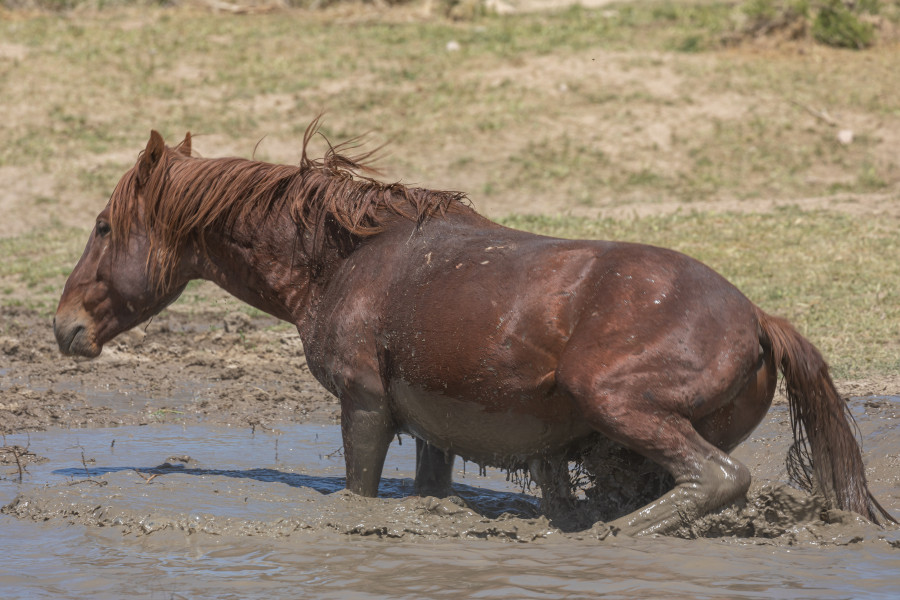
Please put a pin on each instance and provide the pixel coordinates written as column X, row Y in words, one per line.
column 838, row 25
column 175, row 69
column 35, row 267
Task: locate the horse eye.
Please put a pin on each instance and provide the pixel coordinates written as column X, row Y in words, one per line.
column 102, row 228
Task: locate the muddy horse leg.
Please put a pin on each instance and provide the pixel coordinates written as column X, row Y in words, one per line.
column 367, row 436
column 434, row 470
column 705, row 477
column 653, row 425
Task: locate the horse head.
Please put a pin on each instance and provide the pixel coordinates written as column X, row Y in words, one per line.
column 120, row 280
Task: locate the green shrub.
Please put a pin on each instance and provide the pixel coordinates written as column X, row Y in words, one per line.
column 836, row 25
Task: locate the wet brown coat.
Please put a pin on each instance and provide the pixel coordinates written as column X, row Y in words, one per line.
column 504, row 347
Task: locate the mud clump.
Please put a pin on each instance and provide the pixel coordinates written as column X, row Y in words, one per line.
column 17, row 455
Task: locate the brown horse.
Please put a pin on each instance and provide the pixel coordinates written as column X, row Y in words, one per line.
column 507, row 348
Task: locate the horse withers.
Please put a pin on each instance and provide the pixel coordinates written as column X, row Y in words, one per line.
column 506, row 348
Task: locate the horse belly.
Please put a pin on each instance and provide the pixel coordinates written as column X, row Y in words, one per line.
column 503, row 434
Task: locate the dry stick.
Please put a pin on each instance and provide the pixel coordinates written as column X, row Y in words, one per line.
column 18, row 463
column 819, row 114
column 14, row 450
column 237, row 9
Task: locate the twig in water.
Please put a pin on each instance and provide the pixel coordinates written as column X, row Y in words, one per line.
column 94, row 481
column 18, row 463
column 18, row 452
column 338, row 452
column 145, row 477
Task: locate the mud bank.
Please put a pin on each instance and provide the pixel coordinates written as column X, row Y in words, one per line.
column 220, row 368
column 209, row 384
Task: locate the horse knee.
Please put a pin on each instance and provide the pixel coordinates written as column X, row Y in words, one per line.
column 721, row 481
column 738, row 478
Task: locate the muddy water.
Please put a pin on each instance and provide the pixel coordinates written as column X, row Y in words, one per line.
column 208, row 511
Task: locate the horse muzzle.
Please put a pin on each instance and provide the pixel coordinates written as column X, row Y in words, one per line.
column 74, row 338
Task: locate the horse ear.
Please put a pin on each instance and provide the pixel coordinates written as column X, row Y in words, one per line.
column 185, row 146
column 150, row 157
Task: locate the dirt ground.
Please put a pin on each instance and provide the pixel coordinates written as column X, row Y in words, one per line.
column 638, row 112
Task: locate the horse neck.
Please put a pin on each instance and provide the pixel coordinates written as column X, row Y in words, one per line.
column 260, row 263
column 264, row 262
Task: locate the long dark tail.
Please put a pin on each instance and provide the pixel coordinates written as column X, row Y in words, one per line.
column 825, row 456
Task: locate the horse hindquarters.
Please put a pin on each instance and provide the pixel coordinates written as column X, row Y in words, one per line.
column 681, row 395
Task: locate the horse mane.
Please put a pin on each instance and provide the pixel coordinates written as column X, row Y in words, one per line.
column 185, row 196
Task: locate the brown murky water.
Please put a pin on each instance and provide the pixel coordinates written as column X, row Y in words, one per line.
column 206, row 511
column 202, row 461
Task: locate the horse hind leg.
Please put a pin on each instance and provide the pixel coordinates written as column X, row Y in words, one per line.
column 706, row 478
column 434, row 470
column 551, row 473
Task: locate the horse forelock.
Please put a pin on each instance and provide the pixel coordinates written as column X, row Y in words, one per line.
column 185, row 197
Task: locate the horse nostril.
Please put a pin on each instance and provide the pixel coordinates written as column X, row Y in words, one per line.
column 66, row 337
column 75, row 333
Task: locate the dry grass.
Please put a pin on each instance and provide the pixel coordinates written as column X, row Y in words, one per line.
column 575, row 115
column 570, row 111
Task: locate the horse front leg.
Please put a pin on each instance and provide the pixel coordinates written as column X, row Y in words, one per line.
column 367, row 434
column 434, row 470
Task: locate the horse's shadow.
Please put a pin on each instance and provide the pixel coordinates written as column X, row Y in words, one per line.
column 483, row 501
column 320, row 484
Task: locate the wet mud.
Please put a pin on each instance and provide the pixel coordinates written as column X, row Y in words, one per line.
column 199, row 458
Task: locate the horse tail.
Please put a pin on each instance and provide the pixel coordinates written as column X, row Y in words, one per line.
column 825, row 456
